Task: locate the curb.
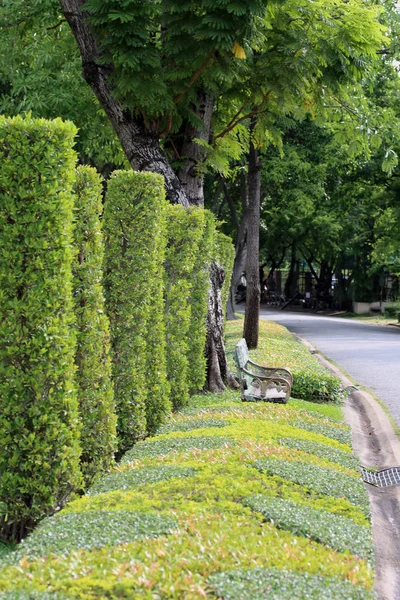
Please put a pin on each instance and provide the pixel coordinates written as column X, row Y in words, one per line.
column 377, row 446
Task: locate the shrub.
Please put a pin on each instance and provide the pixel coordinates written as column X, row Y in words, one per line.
column 276, row 584
column 134, row 222
column 39, row 455
column 225, row 256
column 340, row 434
column 392, row 310
column 95, row 529
column 198, row 306
column 95, row 390
column 172, row 445
column 184, row 234
column 318, row 479
column 338, row 532
column 193, row 424
column 346, row 459
column 132, row 478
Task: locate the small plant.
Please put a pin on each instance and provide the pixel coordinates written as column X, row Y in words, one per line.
column 392, row 310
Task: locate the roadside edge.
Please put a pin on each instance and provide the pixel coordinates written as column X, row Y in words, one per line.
column 378, row 447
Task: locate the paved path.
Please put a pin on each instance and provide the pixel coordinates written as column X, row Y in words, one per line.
column 369, row 353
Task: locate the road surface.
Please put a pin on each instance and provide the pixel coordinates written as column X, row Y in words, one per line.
column 369, row 353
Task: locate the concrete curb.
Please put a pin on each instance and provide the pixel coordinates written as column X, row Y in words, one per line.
column 377, row 446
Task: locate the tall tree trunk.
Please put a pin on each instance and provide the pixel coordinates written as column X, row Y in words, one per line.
column 240, row 250
column 191, row 175
column 250, row 332
column 140, row 144
column 218, row 373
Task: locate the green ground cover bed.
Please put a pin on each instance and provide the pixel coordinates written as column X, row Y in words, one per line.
column 229, row 500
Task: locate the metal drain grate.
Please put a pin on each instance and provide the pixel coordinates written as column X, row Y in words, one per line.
column 382, row 478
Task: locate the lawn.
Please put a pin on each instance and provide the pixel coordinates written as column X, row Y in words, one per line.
column 229, row 500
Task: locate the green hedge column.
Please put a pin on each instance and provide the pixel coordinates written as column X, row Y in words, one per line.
column 225, row 256
column 95, row 389
column 198, row 300
column 134, row 229
column 39, row 449
column 185, row 230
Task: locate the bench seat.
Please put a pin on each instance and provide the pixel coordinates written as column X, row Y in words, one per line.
column 260, row 383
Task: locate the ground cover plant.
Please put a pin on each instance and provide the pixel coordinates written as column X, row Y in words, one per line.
column 194, row 513
column 277, row 347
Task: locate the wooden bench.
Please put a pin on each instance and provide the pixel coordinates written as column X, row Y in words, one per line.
column 259, row 383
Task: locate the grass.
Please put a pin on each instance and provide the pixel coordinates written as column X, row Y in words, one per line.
column 229, row 500
column 371, row 318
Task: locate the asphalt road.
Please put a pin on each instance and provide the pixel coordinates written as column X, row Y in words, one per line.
column 369, row 353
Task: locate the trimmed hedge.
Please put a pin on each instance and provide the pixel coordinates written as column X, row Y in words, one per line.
column 225, row 256
column 134, row 222
column 95, row 389
column 39, row 450
column 197, row 332
column 184, row 234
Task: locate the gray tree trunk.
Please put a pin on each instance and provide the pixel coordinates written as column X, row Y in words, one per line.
column 240, row 251
column 218, row 373
column 191, row 175
column 251, row 321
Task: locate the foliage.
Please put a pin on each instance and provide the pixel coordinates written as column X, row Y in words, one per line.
column 191, row 425
column 85, row 531
column 225, row 256
column 134, row 255
column 340, row 434
column 40, row 73
column 332, row 454
column 324, row 481
column 200, row 480
column 279, row 348
column 198, row 306
column 31, row 595
column 133, row 478
column 337, row 532
column 162, row 75
column 93, row 377
column 39, row 458
column 392, row 309
column 276, row 584
column 167, row 445
column 183, row 272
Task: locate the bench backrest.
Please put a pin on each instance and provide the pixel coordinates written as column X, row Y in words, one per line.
column 242, row 353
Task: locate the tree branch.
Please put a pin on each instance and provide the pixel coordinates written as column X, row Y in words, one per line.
column 195, row 76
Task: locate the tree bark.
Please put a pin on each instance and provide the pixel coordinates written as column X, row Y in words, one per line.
column 140, row 144
column 191, row 175
column 252, row 315
column 240, row 251
column 218, row 372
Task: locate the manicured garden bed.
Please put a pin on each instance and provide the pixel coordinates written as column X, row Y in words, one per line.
column 229, row 500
